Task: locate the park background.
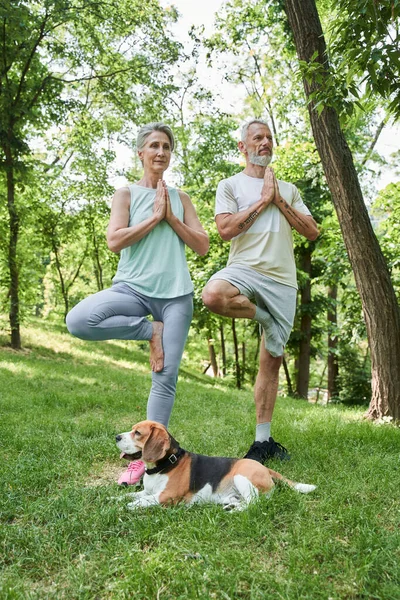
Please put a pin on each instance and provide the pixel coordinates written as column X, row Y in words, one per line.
column 77, row 80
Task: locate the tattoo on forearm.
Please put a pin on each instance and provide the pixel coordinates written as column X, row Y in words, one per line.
column 249, row 219
column 291, row 212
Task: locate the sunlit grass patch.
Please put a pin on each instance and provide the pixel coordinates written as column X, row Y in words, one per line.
column 17, row 368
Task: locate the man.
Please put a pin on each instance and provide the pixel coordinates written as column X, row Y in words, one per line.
column 257, row 213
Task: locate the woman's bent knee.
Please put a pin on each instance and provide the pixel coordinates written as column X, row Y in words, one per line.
column 76, row 325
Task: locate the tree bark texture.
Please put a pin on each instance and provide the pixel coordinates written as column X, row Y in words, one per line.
column 64, row 289
column 98, row 269
column 255, row 363
column 380, row 308
column 287, row 374
column 303, row 373
column 223, row 350
column 213, row 357
column 333, row 366
column 237, row 357
column 12, row 251
column 243, row 373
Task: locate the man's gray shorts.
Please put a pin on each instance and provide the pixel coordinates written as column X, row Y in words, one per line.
column 276, row 303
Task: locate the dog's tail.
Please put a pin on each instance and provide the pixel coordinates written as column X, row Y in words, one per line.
column 303, row 488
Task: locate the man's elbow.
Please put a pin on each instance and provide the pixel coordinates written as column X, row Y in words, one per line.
column 225, row 234
column 312, row 234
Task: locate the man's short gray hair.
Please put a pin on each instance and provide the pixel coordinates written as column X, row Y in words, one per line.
column 147, row 129
column 246, row 126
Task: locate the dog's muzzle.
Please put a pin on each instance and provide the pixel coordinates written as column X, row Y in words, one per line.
column 127, row 455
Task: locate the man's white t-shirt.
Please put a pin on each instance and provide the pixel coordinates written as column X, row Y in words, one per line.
column 267, row 246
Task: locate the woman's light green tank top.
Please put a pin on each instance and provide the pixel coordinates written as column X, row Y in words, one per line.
column 156, row 265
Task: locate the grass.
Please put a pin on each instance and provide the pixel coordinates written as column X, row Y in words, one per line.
column 63, row 537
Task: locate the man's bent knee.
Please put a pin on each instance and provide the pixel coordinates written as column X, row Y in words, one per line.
column 210, row 297
column 217, row 294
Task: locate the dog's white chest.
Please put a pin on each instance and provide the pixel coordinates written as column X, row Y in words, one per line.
column 155, row 484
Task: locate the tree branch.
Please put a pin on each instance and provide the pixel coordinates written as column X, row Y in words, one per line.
column 91, row 77
column 374, row 141
column 28, row 62
column 57, row 160
column 78, row 268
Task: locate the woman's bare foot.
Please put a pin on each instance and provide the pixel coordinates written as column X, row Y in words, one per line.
column 156, row 348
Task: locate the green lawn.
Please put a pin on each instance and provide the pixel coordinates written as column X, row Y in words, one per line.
column 63, row 536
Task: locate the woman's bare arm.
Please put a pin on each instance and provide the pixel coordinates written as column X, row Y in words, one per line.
column 119, row 235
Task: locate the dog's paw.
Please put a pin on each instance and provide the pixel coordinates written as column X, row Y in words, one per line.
column 233, row 505
column 143, row 502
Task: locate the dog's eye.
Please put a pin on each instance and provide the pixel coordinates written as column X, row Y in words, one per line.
column 136, row 432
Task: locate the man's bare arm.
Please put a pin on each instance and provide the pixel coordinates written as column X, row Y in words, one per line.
column 303, row 224
column 230, row 225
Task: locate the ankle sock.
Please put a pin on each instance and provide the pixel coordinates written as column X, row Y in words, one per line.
column 263, row 432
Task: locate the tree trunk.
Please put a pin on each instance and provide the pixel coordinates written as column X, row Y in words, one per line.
column 64, row 288
column 243, row 373
column 333, row 366
column 98, row 269
column 223, row 349
column 303, row 373
column 321, row 381
column 380, row 308
column 254, row 367
column 64, row 285
column 12, row 251
column 213, row 358
column 287, row 374
column 237, row 361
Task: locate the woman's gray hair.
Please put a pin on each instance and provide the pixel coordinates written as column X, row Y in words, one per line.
column 246, row 126
column 147, row 129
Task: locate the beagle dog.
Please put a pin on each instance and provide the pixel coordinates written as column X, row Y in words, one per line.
column 174, row 475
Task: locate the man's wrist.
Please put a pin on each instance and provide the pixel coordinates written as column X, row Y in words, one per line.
column 266, row 199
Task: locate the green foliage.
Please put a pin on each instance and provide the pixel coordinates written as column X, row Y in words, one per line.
column 87, row 75
column 72, row 76
column 386, row 210
column 68, row 45
column 256, row 34
column 31, row 260
column 362, row 59
column 331, row 252
column 364, row 44
column 354, row 382
column 329, row 89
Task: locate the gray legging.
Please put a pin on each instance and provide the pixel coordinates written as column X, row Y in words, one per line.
column 120, row 313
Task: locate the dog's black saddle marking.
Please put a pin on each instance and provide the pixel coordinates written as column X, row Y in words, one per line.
column 208, row 469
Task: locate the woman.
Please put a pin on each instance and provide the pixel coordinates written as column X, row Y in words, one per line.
column 150, row 225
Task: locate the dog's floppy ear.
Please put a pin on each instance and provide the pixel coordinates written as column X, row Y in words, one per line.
column 156, row 444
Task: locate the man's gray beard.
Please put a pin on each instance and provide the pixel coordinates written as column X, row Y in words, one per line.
column 260, row 161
